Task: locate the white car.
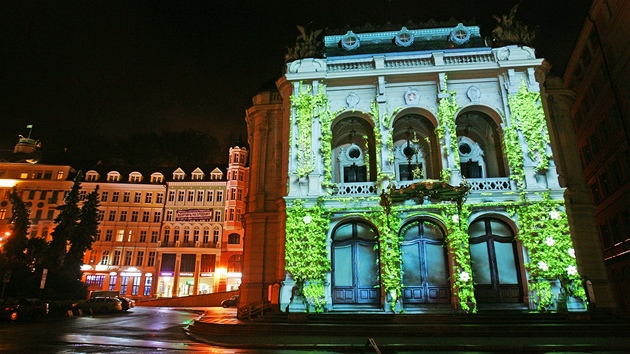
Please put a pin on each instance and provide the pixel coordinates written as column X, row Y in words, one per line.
column 101, row 304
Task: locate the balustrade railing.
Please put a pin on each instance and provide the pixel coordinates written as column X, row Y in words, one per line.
column 409, row 62
column 469, row 59
column 489, row 184
column 361, row 188
column 350, row 66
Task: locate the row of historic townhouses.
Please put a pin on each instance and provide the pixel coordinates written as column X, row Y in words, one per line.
column 232, row 244
column 456, row 128
column 123, row 254
column 190, row 242
column 41, row 187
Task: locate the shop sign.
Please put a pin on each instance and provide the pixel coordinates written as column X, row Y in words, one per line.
column 166, row 274
column 206, row 274
column 186, row 274
column 193, row 215
column 129, row 274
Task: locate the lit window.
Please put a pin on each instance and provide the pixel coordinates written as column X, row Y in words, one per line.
column 234, row 239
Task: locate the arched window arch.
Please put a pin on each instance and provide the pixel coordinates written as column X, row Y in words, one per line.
column 481, row 129
column 416, row 153
column 353, row 151
column 235, row 264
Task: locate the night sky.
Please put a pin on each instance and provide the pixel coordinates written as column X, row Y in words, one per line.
column 115, row 68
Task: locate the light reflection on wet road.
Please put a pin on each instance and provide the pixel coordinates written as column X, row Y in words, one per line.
column 140, row 330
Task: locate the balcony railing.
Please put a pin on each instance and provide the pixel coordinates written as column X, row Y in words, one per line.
column 496, row 184
column 490, row 184
column 360, row 188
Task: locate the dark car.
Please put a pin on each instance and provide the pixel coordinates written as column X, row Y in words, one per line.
column 15, row 308
column 126, row 303
column 233, row 301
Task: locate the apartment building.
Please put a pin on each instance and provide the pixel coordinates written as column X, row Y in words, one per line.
column 162, row 233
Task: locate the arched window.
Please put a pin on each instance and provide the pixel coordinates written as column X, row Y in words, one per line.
column 415, row 144
column 235, row 264
column 480, row 142
column 353, row 151
column 234, row 239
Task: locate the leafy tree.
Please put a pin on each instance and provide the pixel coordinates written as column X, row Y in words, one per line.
column 82, row 239
column 16, row 244
column 67, row 223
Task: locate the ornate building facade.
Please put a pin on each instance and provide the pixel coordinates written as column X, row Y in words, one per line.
column 412, row 170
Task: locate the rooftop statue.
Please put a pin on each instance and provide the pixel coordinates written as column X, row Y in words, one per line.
column 511, row 31
column 307, row 45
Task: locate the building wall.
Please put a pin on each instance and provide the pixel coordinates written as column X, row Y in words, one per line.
column 263, row 256
column 370, row 96
column 135, row 214
column 598, row 73
column 41, row 187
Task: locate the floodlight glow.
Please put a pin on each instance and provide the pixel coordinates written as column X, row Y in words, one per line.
column 8, row 183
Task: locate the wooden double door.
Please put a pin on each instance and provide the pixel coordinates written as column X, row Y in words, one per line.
column 425, row 264
column 495, row 263
column 354, row 265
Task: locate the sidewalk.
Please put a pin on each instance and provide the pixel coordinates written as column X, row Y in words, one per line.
column 354, row 333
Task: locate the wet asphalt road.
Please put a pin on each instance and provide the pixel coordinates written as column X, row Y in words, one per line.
column 140, row 330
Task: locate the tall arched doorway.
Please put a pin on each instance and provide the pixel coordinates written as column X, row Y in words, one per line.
column 495, row 263
column 354, row 267
column 425, row 264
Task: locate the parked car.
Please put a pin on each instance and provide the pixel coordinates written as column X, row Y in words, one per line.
column 126, row 303
column 232, row 301
column 15, row 308
column 101, row 304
